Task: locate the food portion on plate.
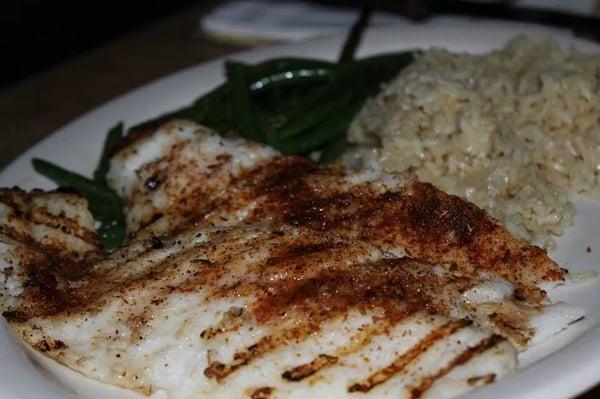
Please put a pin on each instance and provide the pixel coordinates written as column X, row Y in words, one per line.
column 515, row 130
column 244, row 311
column 251, row 273
column 183, row 174
column 217, row 251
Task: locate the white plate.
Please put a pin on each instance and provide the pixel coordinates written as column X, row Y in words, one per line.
column 560, row 368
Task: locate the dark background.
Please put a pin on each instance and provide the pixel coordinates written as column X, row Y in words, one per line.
column 37, row 34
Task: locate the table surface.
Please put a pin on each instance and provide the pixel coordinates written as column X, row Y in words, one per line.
column 43, row 103
column 36, row 107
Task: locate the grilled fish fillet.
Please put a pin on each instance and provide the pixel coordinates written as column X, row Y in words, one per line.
column 183, row 174
column 247, row 311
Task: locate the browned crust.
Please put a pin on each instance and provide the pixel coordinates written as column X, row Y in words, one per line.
column 47, row 287
column 429, row 224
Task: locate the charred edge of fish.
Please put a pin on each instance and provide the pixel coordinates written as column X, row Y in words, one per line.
column 465, row 356
column 16, row 316
column 156, row 243
column 152, row 183
column 47, row 345
column 408, row 357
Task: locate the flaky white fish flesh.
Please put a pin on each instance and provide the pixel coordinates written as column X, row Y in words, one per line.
column 183, row 174
column 248, row 311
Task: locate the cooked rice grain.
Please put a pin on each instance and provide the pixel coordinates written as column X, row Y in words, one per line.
column 516, row 131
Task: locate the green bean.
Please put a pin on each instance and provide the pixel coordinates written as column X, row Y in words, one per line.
column 309, row 141
column 331, row 128
column 290, row 77
column 276, row 65
column 112, row 233
column 271, row 137
column 233, row 106
column 353, row 39
column 243, row 104
column 350, row 77
column 384, row 67
column 215, row 107
column 72, row 180
column 309, row 118
column 114, row 136
column 215, row 96
column 333, row 150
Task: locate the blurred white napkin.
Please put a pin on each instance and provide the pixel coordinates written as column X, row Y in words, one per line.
column 270, row 20
column 260, row 20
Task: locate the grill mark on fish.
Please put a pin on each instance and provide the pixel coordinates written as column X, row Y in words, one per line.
column 220, row 371
column 12, row 233
column 356, row 343
column 262, row 393
column 284, row 175
column 21, row 205
column 65, row 225
column 299, row 373
column 321, row 297
column 232, row 320
column 426, row 382
column 481, row 380
column 400, row 364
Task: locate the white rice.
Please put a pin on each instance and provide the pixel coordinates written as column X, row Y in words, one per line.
column 516, row 131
